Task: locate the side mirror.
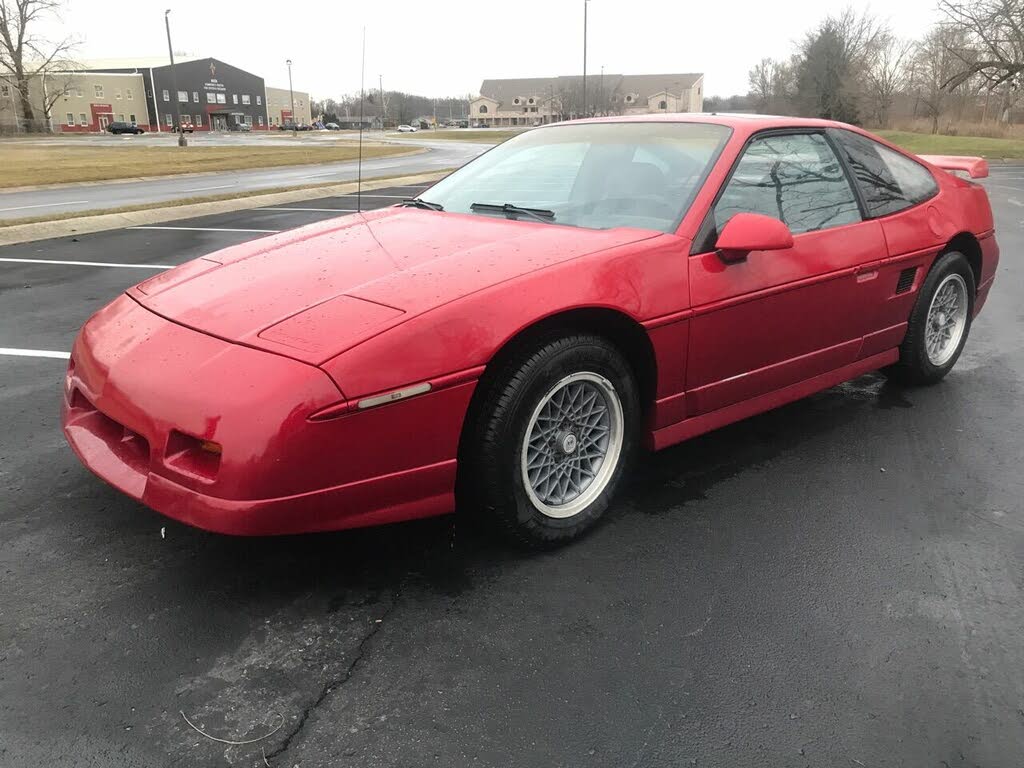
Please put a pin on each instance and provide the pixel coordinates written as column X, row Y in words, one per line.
column 746, row 232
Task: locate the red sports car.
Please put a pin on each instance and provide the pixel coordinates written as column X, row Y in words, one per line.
column 511, row 339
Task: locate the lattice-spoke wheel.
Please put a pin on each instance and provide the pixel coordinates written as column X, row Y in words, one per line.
column 572, row 444
column 947, row 319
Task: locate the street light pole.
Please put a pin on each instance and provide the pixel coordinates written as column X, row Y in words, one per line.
column 291, row 94
column 585, row 2
column 174, row 83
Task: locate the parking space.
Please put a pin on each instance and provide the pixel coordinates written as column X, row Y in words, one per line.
column 836, row 583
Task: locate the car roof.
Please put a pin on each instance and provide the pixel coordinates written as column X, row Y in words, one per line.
column 741, row 120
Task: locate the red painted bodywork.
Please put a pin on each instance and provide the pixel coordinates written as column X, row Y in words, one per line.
column 265, row 349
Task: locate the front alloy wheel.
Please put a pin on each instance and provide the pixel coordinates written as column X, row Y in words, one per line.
column 554, row 430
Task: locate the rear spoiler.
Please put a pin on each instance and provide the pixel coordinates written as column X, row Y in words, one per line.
column 976, row 167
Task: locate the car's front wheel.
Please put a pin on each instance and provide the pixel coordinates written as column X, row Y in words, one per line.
column 555, row 432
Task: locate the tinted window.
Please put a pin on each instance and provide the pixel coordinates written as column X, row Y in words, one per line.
column 795, row 178
column 597, row 175
column 888, row 180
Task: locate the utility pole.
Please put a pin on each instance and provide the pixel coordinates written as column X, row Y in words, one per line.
column 383, row 104
column 291, row 93
column 174, row 83
column 600, row 98
column 585, row 2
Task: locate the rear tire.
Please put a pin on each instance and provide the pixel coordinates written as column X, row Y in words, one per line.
column 939, row 323
column 556, row 430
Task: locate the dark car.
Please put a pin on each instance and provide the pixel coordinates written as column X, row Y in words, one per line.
column 124, row 128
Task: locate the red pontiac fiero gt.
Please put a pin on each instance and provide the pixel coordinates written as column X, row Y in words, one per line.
column 510, row 339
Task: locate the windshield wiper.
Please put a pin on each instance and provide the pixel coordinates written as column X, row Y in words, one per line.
column 540, row 214
column 416, row 202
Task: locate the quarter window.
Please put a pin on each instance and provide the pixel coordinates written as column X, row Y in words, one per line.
column 889, row 181
column 794, row 178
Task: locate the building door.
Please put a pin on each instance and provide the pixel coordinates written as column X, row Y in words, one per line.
column 220, row 122
column 104, row 122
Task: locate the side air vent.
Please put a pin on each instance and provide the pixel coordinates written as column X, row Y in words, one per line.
column 906, row 280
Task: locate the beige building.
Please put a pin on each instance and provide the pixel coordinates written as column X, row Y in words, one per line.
column 279, row 107
column 539, row 100
column 79, row 102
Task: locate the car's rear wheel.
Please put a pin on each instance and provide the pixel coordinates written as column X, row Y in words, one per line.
column 555, row 432
column 939, row 322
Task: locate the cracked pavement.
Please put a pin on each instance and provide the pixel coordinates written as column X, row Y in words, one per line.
column 763, row 595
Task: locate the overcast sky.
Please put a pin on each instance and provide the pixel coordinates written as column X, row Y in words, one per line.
column 446, row 47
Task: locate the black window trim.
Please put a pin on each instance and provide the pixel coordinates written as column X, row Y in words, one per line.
column 707, row 224
column 837, row 144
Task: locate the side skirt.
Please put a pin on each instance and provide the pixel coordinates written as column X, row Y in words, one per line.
column 705, row 422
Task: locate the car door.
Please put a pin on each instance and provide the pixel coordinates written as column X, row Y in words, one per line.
column 778, row 317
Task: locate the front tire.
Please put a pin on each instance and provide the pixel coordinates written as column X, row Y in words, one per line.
column 939, row 323
column 556, row 430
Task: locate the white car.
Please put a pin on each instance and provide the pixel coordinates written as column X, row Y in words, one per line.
column 407, row 129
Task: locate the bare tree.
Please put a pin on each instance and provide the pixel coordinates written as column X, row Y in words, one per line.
column 990, row 43
column 25, row 56
column 762, row 79
column 935, row 66
column 887, row 74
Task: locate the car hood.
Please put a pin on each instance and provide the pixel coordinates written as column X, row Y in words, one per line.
column 313, row 292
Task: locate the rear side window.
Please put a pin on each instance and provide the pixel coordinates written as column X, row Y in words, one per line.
column 889, row 181
column 794, row 178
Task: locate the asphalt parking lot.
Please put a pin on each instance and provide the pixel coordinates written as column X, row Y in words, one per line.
column 836, row 583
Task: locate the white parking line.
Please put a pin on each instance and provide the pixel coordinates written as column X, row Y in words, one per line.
column 208, row 229
column 44, row 205
column 204, row 189
column 316, row 210
column 88, row 263
column 34, row 353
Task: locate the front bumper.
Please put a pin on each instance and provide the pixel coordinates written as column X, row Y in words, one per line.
column 143, row 393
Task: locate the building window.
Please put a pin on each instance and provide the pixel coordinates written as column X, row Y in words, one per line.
column 234, row 98
column 246, row 99
column 195, row 97
column 259, row 119
column 169, row 119
column 199, row 121
column 78, row 92
column 483, row 109
column 82, row 119
column 221, row 98
column 71, row 118
column 132, row 118
column 515, row 100
column 120, row 118
column 98, row 89
column 5, row 91
column 167, row 95
column 629, row 99
column 117, row 94
column 211, row 98
column 183, row 97
column 662, row 105
column 128, row 94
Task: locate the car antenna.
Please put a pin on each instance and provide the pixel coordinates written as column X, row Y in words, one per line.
column 362, row 98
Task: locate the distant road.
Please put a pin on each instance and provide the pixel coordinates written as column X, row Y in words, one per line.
column 105, row 195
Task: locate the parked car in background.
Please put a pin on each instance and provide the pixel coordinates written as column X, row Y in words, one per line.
column 243, row 127
column 186, row 126
column 121, row 127
column 407, row 128
column 512, row 340
column 332, row 126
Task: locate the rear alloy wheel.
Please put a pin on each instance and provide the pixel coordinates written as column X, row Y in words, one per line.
column 939, row 322
column 556, row 429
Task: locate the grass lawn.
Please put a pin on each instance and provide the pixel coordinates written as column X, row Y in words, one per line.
column 928, row 144
column 28, row 164
column 450, row 134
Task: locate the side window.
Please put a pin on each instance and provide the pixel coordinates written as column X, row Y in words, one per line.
column 888, row 180
column 794, row 178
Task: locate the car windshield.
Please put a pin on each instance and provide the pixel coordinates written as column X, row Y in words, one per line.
column 593, row 175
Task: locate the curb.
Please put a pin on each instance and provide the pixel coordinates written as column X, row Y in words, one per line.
column 45, row 230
